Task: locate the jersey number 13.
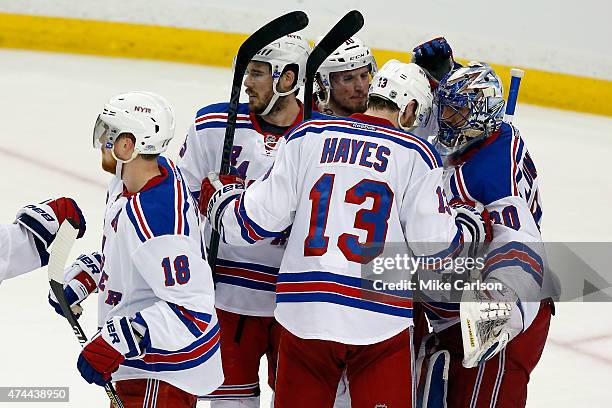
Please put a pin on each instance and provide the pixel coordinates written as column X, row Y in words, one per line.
column 374, row 221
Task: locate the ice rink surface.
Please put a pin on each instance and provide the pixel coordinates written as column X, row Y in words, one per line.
column 48, row 105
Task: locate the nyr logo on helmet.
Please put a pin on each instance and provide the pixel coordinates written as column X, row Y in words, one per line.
column 142, row 109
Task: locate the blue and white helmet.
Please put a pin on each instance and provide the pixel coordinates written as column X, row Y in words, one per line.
column 470, row 107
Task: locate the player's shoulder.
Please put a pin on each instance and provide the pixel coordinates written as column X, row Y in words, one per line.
column 490, row 172
column 221, row 108
column 215, row 116
column 317, row 120
column 354, row 126
column 314, row 125
column 161, row 207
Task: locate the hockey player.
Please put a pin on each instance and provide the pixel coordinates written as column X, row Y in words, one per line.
column 487, row 162
column 346, row 186
column 23, row 244
column 159, row 337
column 343, row 79
column 246, row 276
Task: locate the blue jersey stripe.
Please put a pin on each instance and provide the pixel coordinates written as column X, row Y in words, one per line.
column 222, row 108
column 186, row 202
column 191, row 326
column 132, row 218
column 157, row 367
column 262, row 232
column 158, row 204
column 344, row 301
column 508, row 263
column 519, row 247
column 316, row 276
column 250, row 266
column 368, row 287
column 221, row 124
column 246, row 283
column 159, row 207
column 197, row 343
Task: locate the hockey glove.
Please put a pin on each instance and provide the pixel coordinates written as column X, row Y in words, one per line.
column 43, row 220
column 216, row 192
column 475, row 223
column 435, row 57
column 103, row 354
column 81, row 279
column 489, row 321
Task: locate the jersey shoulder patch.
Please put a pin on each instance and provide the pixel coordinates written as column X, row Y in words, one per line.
column 162, row 208
column 492, row 172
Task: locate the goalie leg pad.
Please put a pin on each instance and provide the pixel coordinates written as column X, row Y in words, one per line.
column 433, row 393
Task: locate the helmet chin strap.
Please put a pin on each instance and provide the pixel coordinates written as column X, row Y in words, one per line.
column 417, row 123
column 271, row 104
column 399, row 121
column 276, row 95
column 120, row 162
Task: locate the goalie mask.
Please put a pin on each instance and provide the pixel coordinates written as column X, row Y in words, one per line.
column 470, row 107
column 291, row 49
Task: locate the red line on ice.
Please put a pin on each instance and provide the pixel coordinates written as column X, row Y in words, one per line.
column 45, row 165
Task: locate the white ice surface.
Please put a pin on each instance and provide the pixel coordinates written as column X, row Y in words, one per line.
column 48, row 103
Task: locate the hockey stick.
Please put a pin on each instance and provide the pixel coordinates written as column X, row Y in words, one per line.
column 275, row 29
column 344, row 29
column 515, row 84
column 64, row 240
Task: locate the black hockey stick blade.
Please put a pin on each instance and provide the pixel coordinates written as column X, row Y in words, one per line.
column 347, row 27
column 275, row 29
column 62, row 244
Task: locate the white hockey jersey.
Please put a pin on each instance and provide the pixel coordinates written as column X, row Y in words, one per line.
column 346, row 186
column 245, row 277
column 153, row 271
column 499, row 173
column 18, row 252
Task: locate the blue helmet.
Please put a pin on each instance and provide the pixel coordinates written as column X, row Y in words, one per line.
column 470, row 107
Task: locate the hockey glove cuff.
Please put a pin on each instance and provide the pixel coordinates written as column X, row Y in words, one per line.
column 216, row 193
column 43, row 220
column 82, row 278
column 103, row 354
